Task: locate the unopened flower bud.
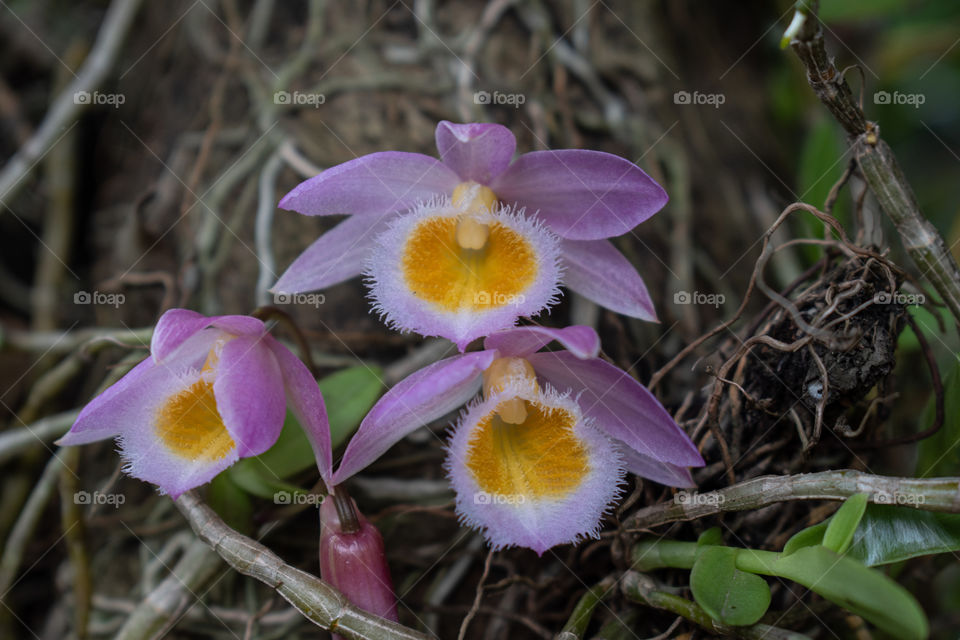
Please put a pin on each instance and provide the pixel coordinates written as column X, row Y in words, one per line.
column 352, row 558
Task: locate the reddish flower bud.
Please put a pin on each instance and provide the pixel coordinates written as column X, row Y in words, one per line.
column 352, row 558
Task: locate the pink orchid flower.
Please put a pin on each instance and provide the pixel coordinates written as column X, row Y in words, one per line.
column 579, row 199
column 539, row 459
column 214, row 390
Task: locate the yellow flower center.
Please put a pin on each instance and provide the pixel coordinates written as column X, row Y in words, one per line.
column 514, row 410
column 189, row 424
column 466, row 265
column 540, row 458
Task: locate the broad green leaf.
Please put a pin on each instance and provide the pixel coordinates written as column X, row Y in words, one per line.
column 349, row 395
column 231, row 503
column 889, row 533
column 846, row 582
column 712, row 536
column 729, row 595
column 251, row 475
column 843, row 524
column 805, row 538
column 939, row 455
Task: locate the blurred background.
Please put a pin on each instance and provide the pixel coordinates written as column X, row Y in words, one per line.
column 158, row 189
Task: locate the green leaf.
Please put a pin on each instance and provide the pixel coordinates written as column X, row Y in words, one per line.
column 712, row 536
column 843, row 524
column 860, row 10
column 251, row 475
column 805, row 538
column 844, row 581
column 939, row 455
column 890, row 533
column 729, row 595
column 349, row 395
column 928, row 318
column 231, row 503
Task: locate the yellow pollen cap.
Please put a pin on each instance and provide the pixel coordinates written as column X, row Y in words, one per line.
column 473, row 198
column 514, row 410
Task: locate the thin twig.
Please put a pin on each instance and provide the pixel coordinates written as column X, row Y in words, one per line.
column 26, row 524
column 66, row 107
column 477, row 599
column 165, row 603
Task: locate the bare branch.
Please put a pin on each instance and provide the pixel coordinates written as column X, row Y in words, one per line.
column 315, row 599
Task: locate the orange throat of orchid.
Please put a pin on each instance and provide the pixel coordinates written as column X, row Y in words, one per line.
column 188, row 423
column 471, row 261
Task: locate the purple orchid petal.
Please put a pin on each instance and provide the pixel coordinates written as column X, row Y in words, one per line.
column 95, row 420
column 239, row 325
column 377, row 183
column 306, row 403
column 425, row 395
column 521, row 517
column 131, row 402
column 176, row 325
column 598, row 271
column 337, row 255
column 582, row 195
column 173, row 327
column 478, row 152
column 522, row 341
column 666, row 473
column 248, row 386
column 621, row 406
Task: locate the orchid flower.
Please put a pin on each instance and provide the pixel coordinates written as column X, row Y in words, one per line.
column 538, row 459
column 583, row 197
column 212, row 391
column 424, row 280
